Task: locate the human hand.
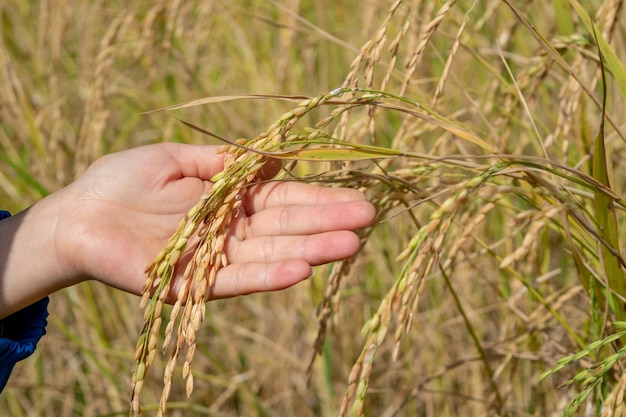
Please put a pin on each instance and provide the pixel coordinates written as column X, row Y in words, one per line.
column 110, row 223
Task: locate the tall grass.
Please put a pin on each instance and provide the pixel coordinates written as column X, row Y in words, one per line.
column 488, row 134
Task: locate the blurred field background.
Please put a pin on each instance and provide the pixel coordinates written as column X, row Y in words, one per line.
column 482, row 271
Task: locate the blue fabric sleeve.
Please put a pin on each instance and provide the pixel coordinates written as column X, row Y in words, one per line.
column 20, row 332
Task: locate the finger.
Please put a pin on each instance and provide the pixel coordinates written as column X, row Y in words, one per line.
column 200, row 161
column 242, row 279
column 314, row 249
column 274, row 194
column 301, row 220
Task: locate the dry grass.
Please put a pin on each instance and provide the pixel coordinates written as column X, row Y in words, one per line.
column 493, row 251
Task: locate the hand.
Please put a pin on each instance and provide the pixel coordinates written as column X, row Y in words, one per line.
column 111, row 223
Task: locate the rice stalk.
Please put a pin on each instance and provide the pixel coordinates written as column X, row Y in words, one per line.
column 594, row 375
column 208, row 221
column 402, row 300
column 429, row 30
column 368, row 58
column 453, row 51
column 95, row 115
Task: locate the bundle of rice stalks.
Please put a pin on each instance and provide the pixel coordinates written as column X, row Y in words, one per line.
column 450, row 177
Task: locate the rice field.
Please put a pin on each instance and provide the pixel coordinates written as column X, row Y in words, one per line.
column 488, row 134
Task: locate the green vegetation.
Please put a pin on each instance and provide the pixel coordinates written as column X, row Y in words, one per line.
column 489, row 135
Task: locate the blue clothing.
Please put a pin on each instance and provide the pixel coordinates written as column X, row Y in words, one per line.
column 20, row 332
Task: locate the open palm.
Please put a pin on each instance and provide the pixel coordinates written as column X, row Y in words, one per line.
column 121, row 212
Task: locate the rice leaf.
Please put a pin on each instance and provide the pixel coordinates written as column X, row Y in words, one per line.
column 443, row 123
column 25, row 177
column 564, row 21
column 610, row 61
column 336, row 154
column 605, row 214
column 222, row 99
column 355, row 152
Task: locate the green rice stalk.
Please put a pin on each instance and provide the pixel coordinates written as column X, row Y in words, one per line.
column 607, row 221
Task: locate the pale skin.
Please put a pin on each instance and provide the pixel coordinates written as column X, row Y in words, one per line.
column 110, row 224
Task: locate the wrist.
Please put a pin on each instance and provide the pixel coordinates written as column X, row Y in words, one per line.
column 30, row 266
